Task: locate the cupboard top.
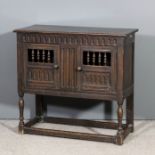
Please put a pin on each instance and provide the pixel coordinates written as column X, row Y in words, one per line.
column 77, row 30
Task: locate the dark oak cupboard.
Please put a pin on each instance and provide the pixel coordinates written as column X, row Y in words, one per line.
column 81, row 62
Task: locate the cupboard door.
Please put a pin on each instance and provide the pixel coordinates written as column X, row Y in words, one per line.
column 41, row 66
column 97, row 68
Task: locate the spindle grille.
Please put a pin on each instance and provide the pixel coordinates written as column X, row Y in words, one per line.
column 97, row 58
column 40, row 55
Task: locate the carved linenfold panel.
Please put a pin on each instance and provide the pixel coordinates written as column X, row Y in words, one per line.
column 67, row 39
column 68, row 68
column 96, row 79
column 41, row 75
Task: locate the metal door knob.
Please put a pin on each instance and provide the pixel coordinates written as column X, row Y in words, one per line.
column 56, row 66
column 79, row 68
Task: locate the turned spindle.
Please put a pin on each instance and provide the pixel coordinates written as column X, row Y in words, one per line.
column 49, row 56
column 32, row 54
column 88, row 58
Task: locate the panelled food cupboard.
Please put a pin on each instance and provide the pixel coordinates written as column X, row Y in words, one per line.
column 80, row 62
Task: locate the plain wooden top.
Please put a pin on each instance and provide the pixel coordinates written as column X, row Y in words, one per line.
column 77, row 30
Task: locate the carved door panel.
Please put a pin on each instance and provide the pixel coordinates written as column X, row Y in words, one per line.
column 97, row 68
column 41, row 68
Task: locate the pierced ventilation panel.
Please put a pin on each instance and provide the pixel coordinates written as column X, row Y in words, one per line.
column 40, row 55
column 97, row 58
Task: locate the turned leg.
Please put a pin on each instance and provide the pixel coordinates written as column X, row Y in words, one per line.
column 21, row 114
column 120, row 117
column 41, row 107
column 130, row 112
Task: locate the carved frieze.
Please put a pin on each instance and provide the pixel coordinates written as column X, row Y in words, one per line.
column 69, row 39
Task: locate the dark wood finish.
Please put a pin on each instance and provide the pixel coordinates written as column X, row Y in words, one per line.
column 77, row 30
column 28, row 128
column 120, row 127
column 69, row 134
column 87, row 123
column 32, row 122
column 81, row 62
column 21, row 112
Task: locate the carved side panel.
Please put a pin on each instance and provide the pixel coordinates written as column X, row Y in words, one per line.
column 129, row 62
column 20, row 69
column 68, row 67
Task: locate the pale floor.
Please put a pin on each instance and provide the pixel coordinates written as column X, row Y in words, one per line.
column 141, row 142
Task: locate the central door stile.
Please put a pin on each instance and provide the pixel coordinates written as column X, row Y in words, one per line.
column 68, row 61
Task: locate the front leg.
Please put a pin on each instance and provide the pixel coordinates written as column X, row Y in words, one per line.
column 120, row 136
column 21, row 114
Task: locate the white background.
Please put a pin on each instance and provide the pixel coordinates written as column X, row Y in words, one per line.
column 99, row 13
